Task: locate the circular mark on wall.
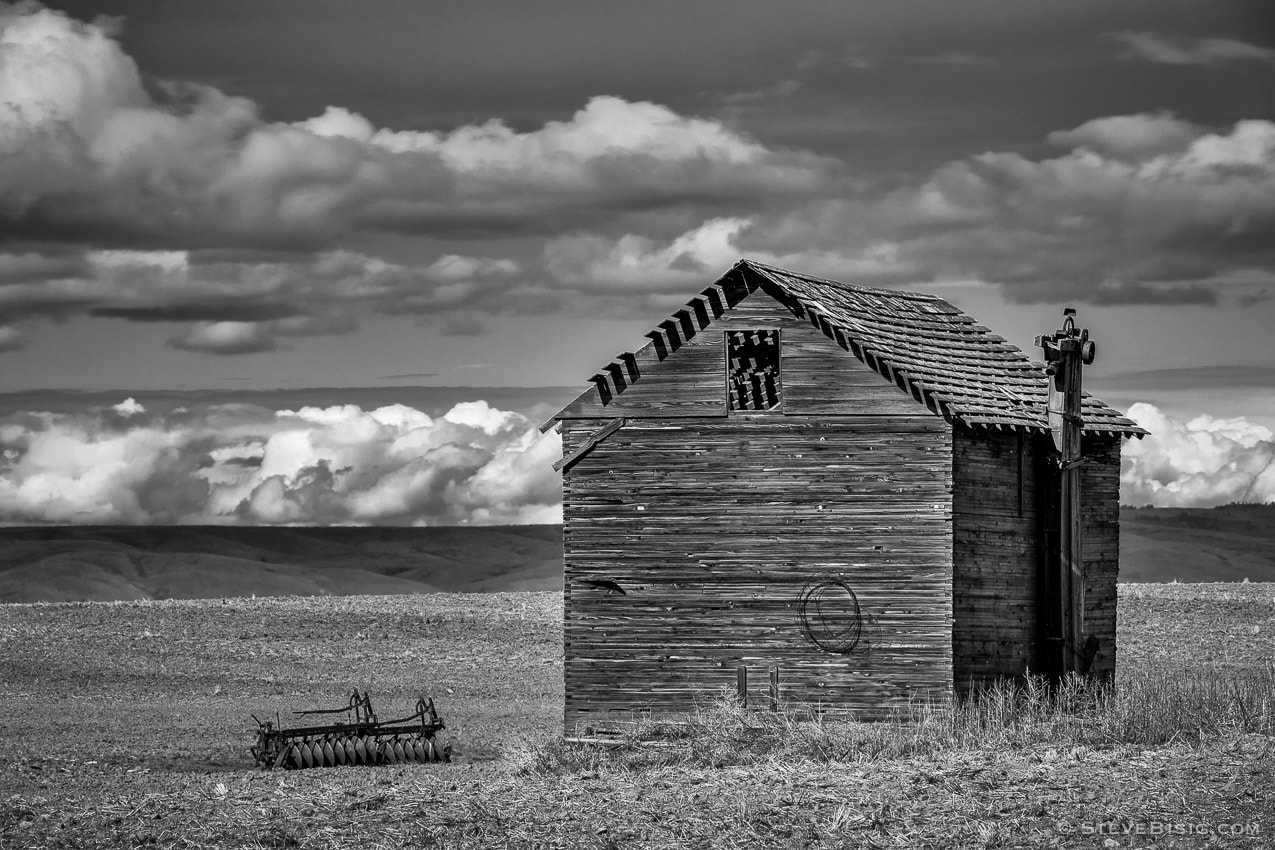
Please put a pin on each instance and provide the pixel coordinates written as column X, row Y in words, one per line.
column 830, row 616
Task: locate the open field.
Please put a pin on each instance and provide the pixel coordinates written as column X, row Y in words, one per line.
column 127, row 725
column 1229, row 543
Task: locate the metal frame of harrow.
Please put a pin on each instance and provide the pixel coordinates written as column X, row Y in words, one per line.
column 364, row 740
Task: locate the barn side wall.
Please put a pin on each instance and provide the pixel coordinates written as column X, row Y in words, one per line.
column 1100, row 525
column 689, row 540
column 999, row 551
column 996, row 554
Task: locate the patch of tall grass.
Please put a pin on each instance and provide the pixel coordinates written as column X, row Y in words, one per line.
column 1146, row 707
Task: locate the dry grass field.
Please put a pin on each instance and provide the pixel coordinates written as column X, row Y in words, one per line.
column 127, row 725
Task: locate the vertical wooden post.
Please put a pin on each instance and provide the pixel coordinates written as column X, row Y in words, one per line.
column 741, row 685
column 774, row 688
column 1065, row 351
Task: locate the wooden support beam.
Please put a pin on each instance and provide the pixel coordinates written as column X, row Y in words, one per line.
column 716, row 301
column 700, row 307
column 589, row 445
column 604, row 388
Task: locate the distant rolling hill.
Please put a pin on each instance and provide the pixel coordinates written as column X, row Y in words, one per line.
column 1230, row 543
column 103, row 563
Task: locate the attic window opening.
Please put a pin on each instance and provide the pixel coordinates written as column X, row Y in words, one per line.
column 752, row 370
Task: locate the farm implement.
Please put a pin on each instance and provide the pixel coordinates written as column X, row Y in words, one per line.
column 360, row 739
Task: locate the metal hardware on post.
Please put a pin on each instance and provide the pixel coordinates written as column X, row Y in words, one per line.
column 1066, row 350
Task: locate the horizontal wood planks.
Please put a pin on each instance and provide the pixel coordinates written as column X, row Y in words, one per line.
column 1100, row 526
column 691, row 533
column 996, row 554
column 816, row 376
column 998, row 540
column 688, row 544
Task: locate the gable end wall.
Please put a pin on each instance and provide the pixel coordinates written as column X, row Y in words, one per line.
column 689, row 538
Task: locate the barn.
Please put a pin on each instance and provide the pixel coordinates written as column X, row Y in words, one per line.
column 842, row 497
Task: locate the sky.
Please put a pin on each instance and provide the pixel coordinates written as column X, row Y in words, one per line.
column 244, row 245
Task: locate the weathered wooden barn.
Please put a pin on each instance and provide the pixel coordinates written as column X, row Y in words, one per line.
column 848, row 494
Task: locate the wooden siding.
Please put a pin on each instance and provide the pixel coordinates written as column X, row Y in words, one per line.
column 712, row 529
column 999, row 549
column 996, row 555
column 1100, row 523
column 816, row 376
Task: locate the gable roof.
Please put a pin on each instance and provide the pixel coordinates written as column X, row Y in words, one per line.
column 943, row 358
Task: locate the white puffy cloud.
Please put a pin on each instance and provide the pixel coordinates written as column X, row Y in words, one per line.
column 1200, row 463
column 246, row 464
column 86, row 147
column 129, row 407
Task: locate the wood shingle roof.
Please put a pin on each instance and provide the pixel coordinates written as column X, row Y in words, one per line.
column 927, row 347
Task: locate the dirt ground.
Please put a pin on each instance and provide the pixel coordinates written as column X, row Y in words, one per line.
column 128, row 725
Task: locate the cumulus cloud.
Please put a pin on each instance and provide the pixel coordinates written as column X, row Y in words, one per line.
column 156, row 201
column 1141, row 209
column 663, row 272
column 1200, row 463
column 1187, row 50
column 247, row 464
column 636, row 263
column 1130, row 137
column 87, row 146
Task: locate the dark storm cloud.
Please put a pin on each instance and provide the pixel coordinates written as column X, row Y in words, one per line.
column 241, row 310
column 814, row 147
column 87, row 145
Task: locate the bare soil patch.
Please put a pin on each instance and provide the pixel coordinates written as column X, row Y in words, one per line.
column 127, row 726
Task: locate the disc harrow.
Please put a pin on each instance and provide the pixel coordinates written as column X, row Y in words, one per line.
column 359, row 739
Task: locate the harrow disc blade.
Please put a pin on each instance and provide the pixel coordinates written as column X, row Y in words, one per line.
column 329, row 756
column 360, row 751
column 351, row 754
column 307, row 753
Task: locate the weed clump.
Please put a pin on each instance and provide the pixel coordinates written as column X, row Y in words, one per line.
column 1146, row 707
